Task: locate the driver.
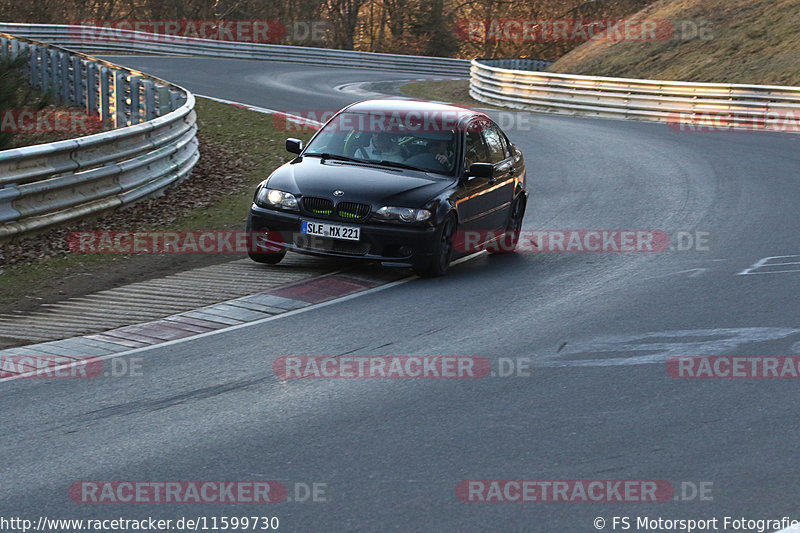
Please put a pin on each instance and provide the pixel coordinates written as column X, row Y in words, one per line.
column 440, row 148
column 382, row 147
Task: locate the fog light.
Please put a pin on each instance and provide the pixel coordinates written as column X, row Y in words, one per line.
column 404, row 251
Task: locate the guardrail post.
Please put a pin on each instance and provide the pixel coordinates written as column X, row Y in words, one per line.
column 14, row 48
column 92, row 89
column 33, row 68
column 56, row 73
column 150, row 111
column 120, row 111
column 135, row 100
column 164, row 100
column 78, row 96
column 174, row 100
column 46, row 56
column 45, row 79
column 105, row 95
column 64, row 61
column 61, row 75
column 24, row 48
column 52, row 71
column 177, row 99
column 3, row 47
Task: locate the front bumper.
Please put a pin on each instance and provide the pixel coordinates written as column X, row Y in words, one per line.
column 388, row 243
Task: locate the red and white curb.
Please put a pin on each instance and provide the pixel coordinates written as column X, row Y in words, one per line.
column 273, row 304
column 205, row 320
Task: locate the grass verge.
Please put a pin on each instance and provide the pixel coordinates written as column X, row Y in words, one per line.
column 239, row 148
column 453, row 91
column 450, row 91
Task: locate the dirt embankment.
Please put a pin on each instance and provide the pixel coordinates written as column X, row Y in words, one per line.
column 724, row 41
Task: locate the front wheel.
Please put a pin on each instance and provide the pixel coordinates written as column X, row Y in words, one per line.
column 267, row 258
column 442, row 253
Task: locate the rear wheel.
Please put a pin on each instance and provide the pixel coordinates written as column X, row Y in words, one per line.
column 507, row 243
column 443, row 252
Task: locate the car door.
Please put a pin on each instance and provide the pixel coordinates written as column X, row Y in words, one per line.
column 473, row 202
column 501, row 187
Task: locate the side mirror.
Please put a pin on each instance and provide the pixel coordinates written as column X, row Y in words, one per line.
column 294, row 146
column 480, row 170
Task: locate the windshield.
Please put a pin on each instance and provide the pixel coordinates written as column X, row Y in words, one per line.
column 379, row 139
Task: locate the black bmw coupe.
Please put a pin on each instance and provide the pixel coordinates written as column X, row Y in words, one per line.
column 393, row 181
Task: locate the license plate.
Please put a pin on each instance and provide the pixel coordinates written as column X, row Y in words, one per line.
column 348, row 233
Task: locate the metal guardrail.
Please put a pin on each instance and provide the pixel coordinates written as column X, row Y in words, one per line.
column 518, row 63
column 726, row 105
column 155, row 145
column 127, row 41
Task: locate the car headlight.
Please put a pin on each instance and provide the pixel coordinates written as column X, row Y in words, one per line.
column 275, row 199
column 403, row 214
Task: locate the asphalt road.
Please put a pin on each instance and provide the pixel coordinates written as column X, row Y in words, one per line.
column 597, row 328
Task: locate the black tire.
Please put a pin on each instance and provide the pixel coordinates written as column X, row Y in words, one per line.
column 267, row 258
column 272, row 258
column 443, row 253
column 507, row 243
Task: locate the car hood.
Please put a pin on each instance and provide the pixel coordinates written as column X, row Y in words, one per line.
column 309, row 176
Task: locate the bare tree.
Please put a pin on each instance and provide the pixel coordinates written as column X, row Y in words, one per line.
column 344, row 16
column 428, row 27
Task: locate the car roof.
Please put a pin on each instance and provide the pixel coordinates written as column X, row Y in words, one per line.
column 402, row 107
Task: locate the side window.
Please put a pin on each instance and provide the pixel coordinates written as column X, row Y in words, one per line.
column 476, row 150
column 506, row 143
column 496, row 142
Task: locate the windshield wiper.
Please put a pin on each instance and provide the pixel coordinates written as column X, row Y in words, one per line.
column 384, row 162
column 337, row 157
column 387, row 163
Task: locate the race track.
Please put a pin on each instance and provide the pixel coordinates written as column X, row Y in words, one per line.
column 597, row 328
